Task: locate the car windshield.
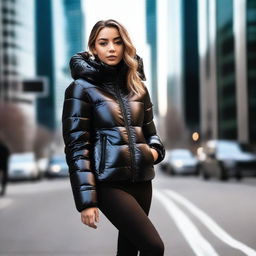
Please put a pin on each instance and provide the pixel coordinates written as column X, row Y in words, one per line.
column 58, row 159
column 228, row 148
column 22, row 158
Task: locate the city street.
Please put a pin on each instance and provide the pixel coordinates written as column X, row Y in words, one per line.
column 194, row 217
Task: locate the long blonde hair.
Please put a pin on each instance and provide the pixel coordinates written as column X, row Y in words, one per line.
column 134, row 82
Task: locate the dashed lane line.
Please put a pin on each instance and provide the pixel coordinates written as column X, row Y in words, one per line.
column 210, row 224
column 199, row 245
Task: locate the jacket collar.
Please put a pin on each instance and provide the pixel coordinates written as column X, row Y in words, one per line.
column 83, row 65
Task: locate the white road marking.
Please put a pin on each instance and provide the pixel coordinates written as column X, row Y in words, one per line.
column 211, row 224
column 4, row 202
column 197, row 242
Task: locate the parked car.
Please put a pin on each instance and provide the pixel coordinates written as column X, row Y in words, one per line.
column 180, row 161
column 23, row 166
column 42, row 164
column 224, row 159
column 57, row 167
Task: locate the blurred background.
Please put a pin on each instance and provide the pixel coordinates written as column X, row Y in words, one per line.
column 200, row 64
column 200, row 61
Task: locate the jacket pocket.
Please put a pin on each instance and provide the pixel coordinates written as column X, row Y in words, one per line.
column 103, row 140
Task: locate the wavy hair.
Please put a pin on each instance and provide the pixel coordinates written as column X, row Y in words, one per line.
column 134, row 82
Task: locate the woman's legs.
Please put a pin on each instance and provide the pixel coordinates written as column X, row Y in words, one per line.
column 142, row 192
column 127, row 206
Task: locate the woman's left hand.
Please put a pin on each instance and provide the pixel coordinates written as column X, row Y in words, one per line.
column 155, row 153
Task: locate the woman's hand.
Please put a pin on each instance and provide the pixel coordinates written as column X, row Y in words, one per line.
column 155, row 153
column 89, row 216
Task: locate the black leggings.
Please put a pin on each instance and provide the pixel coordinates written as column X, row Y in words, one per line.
column 127, row 205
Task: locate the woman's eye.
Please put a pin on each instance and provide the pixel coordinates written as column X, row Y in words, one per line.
column 103, row 43
column 119, row 42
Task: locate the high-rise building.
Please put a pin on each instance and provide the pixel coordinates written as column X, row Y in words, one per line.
column 46, row 115
column 225, row 71
column 190, row 65
column 16, row 49
column 59, row 34
column 75, row 27
column 151, row 35
column 17, row 58
column 251, row 67
column 172, row 36
column 227, row 40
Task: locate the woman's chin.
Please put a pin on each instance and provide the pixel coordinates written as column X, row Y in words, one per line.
column 112, row 62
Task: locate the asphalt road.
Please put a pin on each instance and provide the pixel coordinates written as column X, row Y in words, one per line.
column 193, row 217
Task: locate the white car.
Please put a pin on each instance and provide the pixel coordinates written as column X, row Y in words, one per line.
column 23, row 166
column 57, row 166
column 180, row 161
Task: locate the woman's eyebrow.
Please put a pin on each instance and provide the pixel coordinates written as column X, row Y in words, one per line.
column 105, row 39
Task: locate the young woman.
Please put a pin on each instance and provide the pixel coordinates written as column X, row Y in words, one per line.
column 111, row 143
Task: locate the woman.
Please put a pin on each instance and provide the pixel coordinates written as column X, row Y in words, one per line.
column 111, row 143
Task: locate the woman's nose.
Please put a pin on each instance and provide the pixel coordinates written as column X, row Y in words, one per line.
column 111, row 47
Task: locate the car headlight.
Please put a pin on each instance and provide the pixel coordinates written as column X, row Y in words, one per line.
column 55, row 168
column 178, row 163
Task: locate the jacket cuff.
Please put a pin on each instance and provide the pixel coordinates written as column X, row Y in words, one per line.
column 85, row 199
column 160, row 154
column 155, row 142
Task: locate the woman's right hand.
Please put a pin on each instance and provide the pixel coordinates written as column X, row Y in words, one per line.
column 89, row 216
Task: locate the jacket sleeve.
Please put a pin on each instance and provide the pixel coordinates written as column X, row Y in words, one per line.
column 76, row 129
column 149, row 129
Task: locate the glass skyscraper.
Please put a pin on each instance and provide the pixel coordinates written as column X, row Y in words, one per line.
column 17, row 57
column 251, row 66
column 75, row 27
column 225, row 62
column 227, row 36
column 59, row 35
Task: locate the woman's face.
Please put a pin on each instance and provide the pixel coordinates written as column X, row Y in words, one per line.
column 109, row 46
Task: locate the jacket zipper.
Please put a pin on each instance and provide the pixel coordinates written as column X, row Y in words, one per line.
column 128, row 131
column 103, row 149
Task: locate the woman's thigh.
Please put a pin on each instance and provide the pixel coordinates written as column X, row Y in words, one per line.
column 126, row 214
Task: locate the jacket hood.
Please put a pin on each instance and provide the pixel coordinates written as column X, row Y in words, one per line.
column 83, row 65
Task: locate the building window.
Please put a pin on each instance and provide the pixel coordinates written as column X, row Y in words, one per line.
column 9, row 45
column 8, row 11
column 6, row 21
column 9, row 60
column 9, row 33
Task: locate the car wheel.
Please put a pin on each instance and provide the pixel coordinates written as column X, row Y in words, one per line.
column 197, row 171
column 171, row 171
column 238, row 176
column 203, row 173
column 1, row 182
column 223, row 175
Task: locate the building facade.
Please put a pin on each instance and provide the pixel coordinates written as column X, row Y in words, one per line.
column 75, row 27
column 59, row 34
column 227, row 69
column 17, row 59
column 175, row 67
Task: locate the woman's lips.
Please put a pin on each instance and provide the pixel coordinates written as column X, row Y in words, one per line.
column 111, row 57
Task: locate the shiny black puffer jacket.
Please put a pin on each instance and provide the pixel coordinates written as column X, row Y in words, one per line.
column 107, row 131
